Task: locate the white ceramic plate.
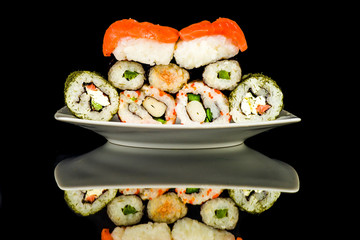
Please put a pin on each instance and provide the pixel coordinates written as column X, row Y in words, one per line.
column 176, row 136
column 115, row 166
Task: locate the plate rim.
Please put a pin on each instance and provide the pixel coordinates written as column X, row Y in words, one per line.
column 70, row 118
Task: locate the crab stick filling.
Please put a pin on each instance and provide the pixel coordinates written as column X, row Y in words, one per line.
column 253, row 104
column 98, row 99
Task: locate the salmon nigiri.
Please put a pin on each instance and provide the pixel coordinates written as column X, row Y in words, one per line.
column 205, row 42
column 144, row 42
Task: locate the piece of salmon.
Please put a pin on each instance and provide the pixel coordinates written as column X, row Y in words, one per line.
column 132, row 28
column 222, row 26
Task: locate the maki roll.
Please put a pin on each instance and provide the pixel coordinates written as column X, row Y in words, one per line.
column 256, row 98
column 254, row 201
column 204, row 42
column 147, row 231
column 151, row 193
column 87, row 202
column 144, row 193
column 197, row 196
column 197, row 104
column 90, row 96
column 127, row 75
column 125, row 210
column 143, row 42
column 190, row 229
column 166, row 208
column 170, row 78
column 148, row 105
column 222, row 75
column 220, row 213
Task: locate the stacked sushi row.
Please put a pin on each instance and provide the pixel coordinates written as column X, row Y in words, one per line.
column 166, row 94
column 219, row 210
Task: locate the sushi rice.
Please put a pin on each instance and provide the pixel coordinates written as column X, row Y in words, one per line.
column 204, row 50
column 166, row 208
column 222, row 75
column 254, row 201
column 125, row 210
column 89, row 96
column 170, row 78
column 197, row 196
column 256, row 98
column 220, row 213
column 197, row 104
column 148, row 105
column 87, row 202
column 144, row 50
column 190, row 229
column 144, row 193
column 126, row 75
column 147, row 231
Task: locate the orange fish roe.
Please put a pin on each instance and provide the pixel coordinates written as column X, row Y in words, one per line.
column 199, row 197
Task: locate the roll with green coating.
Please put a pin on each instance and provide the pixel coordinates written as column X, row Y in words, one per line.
column 256, row 98
column 87, row 202
column 89, row 96
column 254, row 201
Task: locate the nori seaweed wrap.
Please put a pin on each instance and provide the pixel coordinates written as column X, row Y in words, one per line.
column 256, row 98
column 87, row 202
column 254, row 201
column 89, row 96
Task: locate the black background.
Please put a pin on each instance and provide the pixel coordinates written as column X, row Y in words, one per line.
column 285, row 42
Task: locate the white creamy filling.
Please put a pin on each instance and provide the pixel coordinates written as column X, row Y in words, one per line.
column 98, row 97
column 93, row 192
column 250, row 103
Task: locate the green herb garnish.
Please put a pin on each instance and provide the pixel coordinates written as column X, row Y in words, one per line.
column 128, row 209
column 221, row 213
column 223, row 74
column 193, row 97
column 159, row 119
column 129, row 75
column 95, row 106
column 209, row 116
column 192, row 190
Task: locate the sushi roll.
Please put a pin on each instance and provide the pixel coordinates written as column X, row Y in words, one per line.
column 125, row 210
column 256, row 98
column 205, row 42
column 170, row 78
column 87, row 202
column 197, row 196
column 151, row 193
column 254, row 201
column 190, row 229
column 222, row 75
column 220, row 213
column 148, row 105
column 166, row 208
column 144, row 193
column 127, row 75
column 90, row 96
column 143, row 42
column 197, row 104
column 147, row 231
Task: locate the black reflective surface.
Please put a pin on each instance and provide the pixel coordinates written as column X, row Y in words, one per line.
column 281, row 45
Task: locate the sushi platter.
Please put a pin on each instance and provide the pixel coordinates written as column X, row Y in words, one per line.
column 173, row 140
column 176, row 136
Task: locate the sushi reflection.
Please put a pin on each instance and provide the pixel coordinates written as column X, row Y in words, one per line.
column 163, row 186
column 116, row 166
